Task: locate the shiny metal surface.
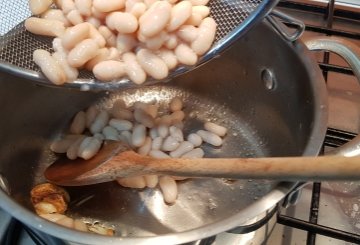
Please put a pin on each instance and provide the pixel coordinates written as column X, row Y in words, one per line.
column 289, row 119
column 17, row 45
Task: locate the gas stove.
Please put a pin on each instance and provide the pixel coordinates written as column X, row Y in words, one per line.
column 319, row 213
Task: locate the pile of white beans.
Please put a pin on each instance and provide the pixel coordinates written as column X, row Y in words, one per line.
column 120, row 38
column 147, row 130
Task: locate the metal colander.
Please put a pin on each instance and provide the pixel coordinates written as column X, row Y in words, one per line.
column 234, row 18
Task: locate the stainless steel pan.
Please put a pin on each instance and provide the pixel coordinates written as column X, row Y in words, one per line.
column 267, row 91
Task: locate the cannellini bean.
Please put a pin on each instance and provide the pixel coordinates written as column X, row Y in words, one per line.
column 206, row 36
column 165, row 120
column 158, row 154
column 66, row 221
column 204, row 11
column 176, row 133
column 145, row 149
column 83, row 52
column 96, row 36
column 129, row 4
column 149, row 3
column 122, row 22
column 91, row 114
column 179, row 14
column 144, row 118
column 93, row 21
column 62, row 145
column 109, row 36
column 114, row 54
column 58, row 47
column 210, row 137
column 110, row 133
column 177, row 116
column 155, row 19
column 163, row 130
column 152, row 64
column 48, row 65
column 125, row 42
column 176, row 104
column 89, row 147
column 121, row 125
column 138, row 135
column 39, row 6
column 168, row 57
column 45, row 27
column 132, row 182
column 75, row 17
column 108, row 5
column 157, row 143
column 100, row 122
column 74, row 35
column 102, row 55
column 194, row 20
column 72, row 152
column 78, row 124
column 84, row 7
column 170, row 144
column 155, row 42
column 80, row 226
column 133, row 69
column 98, row 14
column 138, row 9
column 172, row 41
column 152, row 110
column 179, row 125
column 56, row 14
column 67, row 5
column 187, row 33
column 153, row 133
column 185, row 54
column 194, row 139
column 99, row 136
column 168, row 188
column 172, row 1
column 122, row 113
column 52, row 217
column 151, row 180
column 215, row 128
column 45, row 208
column 71, row 73
column 183, row 148
column 109, row 70
column 199, row 2
column 196, row 153
column 126, row 136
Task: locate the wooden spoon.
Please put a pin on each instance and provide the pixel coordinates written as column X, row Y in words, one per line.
column 116, row 160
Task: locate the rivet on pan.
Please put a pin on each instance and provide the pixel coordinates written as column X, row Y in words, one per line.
column 268, row 78
column 4, row 184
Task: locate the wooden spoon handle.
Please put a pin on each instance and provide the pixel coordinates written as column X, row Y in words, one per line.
column 281, row 168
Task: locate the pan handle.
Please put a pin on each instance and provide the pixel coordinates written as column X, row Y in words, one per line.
column 350, row 52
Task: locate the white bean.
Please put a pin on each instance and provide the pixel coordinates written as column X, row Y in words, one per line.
column 168, row 188
column 99, row 136
column 199, row 2
column 114, row 54
column 176, row 104
column 109, row 70
column 155, row 19
column 187, row 33
column 126, row 136
column 215, row 128
column 179, row 125
column 67, row 5
column 155, row 42
column 97, row 37
column 158, row 154
column 100, row 122
column 102, row 55
column 148, row 3
column 75, row 17
column 153, row 133
column 39, row 6
column 133, row 69
column 151, row 180
column 109, row 36
column 78, row 124
column 165, row 120
column 176, row 133
column 168, row 57
column 66, row 221
column 172, row 41
column 125, row 42
column 71, row 73
column 91, row 114
column 62, row 145
column 179, row 14
column 132, row 182
column 183, row 148
column 110, row 133
column 83, row 52
column 196, row 153
column 194, row 20
column 170, row 144
column 185, row 55
column 145, row 149
column 84, row 7
column 177, row 116
column 204, row 11
column 108, row 5
column 72, row 151
column 58, row 47
column 152, row 64
column 48, row 65
column 74, row 35
column 98, row 14
column 194, row 139
column 129, row 4
column 80, row 226
column 206, row 36
column 122, row 113
column 210, row 137
column 138, row 136
column 163, row 130
column 121, row 125
column 152, row 110
column 52, row 217
column 138, row 9
column 157, row 143
column 45, row 27
column 56, row 14
column 122, row 22
column 93, row 21
column 144, row 118
column 89, row 147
